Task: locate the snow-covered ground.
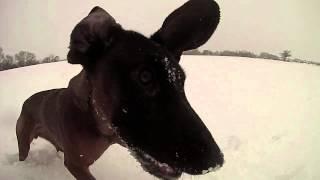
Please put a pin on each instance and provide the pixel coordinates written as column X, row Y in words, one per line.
column 265, row 115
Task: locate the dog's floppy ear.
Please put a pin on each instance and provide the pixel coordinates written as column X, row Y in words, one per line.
column 91, row 36
column 189, row 26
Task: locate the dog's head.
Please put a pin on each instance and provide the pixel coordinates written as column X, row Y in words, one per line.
column 137, row 87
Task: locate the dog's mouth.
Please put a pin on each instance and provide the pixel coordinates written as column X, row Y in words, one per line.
column 155, row 167
column 150, row 164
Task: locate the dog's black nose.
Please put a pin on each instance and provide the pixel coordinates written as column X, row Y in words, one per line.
column 200, row 156
column 198, row 153
column 203, row 160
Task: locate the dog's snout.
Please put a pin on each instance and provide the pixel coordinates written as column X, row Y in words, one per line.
column 199, row 153
column 203, row 159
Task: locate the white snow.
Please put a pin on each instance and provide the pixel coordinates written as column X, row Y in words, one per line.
column 264, row 115
column 171, row 71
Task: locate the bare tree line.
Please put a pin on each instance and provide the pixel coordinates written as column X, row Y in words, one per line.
column 23, row 58
column 285, row 55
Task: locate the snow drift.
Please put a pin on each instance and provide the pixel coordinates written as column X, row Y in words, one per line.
column 263, row 114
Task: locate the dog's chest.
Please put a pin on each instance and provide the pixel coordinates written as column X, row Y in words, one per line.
column 89, row 148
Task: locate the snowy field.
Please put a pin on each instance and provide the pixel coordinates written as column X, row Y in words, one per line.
column 265, row 116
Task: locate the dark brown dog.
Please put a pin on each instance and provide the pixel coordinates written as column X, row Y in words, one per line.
column 130, row 92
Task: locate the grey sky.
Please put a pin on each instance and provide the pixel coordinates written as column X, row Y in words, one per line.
column 43, row 27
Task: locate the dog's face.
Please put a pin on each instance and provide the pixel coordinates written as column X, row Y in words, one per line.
column 137, row 88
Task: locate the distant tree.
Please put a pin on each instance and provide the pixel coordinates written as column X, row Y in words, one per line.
column 20, row 58
column 265, row 55
column 25, row 58
column 8, row 63
column 57, row 58
column 228, row 53
column 207, row 52
column 192, row 52
column 1, row 54
column 298, row 60
column 30, row 62
column 246, row 54
column 1, row 58
column 9, row 58
column 285, row 55
column 51, row 58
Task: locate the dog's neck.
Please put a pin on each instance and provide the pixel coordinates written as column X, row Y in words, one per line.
column 80, row 87
column 84, row 99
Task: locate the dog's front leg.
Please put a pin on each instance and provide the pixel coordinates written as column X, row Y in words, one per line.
column 78, row 170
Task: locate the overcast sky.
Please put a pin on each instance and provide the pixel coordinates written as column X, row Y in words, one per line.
column 44, row 26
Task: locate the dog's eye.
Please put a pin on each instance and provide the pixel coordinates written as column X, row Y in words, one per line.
column 145, row 76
